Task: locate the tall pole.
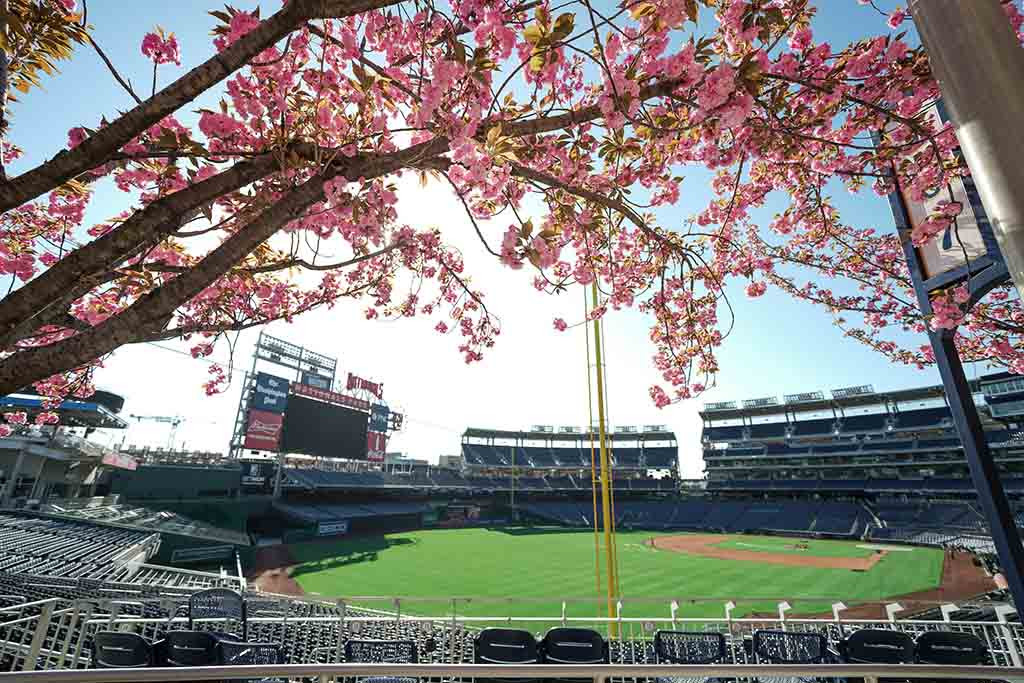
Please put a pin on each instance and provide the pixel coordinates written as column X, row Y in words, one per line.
column 984, row 472
column 978, row 63
column 605, row 488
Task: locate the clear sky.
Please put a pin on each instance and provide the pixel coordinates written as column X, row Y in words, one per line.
column 534, row 375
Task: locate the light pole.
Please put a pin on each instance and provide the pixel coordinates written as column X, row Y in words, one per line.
column 978, row 63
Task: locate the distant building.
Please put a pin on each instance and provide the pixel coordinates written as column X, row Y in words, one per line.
column 451, row 462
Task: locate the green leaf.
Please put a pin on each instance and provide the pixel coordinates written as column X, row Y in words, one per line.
column 533, row 34
column 563, row 26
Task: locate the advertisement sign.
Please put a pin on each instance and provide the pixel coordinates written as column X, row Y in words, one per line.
column 379, row 418
column 396, row 421
column 962, row 241
column 317, row 381
column 257, row 474
column 331, row 397
column 263, row 432
column 270, row 393
column 376, row 444
column 332, row 528
column 360, row 384
column 119, row 461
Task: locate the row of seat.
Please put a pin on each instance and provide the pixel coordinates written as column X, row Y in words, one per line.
column 866, row 646
column 121, row 650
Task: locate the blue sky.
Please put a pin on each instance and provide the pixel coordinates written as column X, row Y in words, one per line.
column 535, row 375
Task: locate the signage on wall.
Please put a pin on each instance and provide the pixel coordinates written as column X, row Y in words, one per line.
column 264, row 430
column 379, row 418
column 360, row 384
column 331, row 397
column 270, row 393
column 312, row 379
column 332, row 528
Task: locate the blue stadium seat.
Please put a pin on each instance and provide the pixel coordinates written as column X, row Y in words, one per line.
column 730, row 433
column 926, row 418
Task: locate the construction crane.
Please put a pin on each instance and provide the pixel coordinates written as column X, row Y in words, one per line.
column 173, row 420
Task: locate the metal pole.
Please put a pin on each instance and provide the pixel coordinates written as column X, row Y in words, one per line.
column 978, row 63
column 605, row 488
column 981, row 463
column 278, row 475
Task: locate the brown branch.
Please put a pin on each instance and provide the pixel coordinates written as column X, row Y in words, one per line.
column 97, row 148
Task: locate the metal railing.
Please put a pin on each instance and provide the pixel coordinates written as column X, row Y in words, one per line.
column 57, row 634
column 596, row 673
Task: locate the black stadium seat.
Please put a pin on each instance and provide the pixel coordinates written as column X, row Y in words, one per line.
column 217, row 603
column 505, row 646
column 877, row 646
column 115, row 650
column 950, row 647
column 190, row 648
column 573, row 646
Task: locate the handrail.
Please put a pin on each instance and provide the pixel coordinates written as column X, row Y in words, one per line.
column 598, row 674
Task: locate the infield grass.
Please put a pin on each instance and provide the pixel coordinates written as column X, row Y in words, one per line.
column 539, row 568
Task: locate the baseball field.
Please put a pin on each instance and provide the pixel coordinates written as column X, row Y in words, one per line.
column 539, row 568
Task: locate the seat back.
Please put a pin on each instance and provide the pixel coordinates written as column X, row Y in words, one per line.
column 789, row 647
column 950, row 647
column 877, row 646
column 190, row 648
column 689, row 647
column 217, row 603
column 573, row 646
column 505, row 646
column 381, row 651
column 115, row 650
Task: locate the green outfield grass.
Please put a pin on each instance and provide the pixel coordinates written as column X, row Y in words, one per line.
column 815, row 547
column 542, row 567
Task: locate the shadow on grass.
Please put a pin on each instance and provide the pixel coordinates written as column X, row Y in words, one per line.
column 318, row 557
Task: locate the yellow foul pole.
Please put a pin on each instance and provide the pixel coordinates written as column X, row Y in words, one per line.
column 593, row 456
column 605, row 488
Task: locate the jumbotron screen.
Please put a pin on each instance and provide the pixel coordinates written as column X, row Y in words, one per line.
column 323, row 429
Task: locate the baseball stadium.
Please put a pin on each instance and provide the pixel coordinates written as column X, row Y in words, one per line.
column 823, row 524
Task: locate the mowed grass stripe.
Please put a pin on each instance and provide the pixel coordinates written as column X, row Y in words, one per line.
column 551, row 565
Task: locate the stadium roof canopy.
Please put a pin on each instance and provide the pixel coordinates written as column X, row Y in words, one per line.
column 818, row 401
column 72, row 413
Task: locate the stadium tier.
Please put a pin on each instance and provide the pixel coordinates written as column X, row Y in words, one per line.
column 859, row 441
column 822, row 519
column 569, row 448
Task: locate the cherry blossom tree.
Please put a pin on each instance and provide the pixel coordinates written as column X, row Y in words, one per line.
column 281, row 198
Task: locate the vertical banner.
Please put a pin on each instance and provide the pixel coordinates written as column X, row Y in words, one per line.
column 376, row 444
column 379, row 418
column 264, row 430
column 962, row 242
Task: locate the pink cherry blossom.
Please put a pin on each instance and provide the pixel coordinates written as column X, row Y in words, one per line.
column 160, row 48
